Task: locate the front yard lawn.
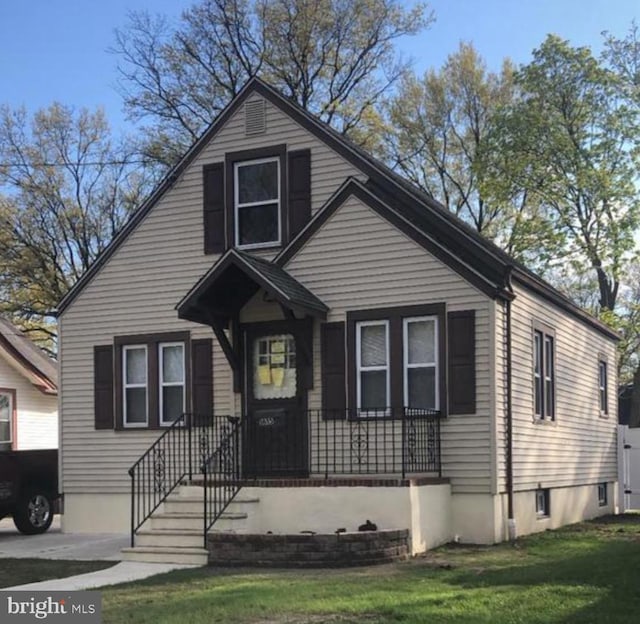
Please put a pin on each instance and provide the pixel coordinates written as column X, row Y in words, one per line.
column 22, row 571
column 585, row 573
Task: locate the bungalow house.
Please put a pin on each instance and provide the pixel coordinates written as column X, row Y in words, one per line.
column 28, row 393
column 287, row 337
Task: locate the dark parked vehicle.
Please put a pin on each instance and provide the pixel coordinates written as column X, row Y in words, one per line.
column 29, row 488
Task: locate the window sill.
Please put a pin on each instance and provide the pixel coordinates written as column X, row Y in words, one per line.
column 260, row 246
column 142, row 428
column 544, row 422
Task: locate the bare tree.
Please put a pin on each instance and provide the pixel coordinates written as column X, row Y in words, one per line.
column 68, row 188
column 334, row 57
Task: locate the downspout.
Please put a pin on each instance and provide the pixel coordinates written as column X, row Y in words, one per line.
column 511, row 520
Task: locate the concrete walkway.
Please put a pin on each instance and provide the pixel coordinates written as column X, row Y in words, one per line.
column 57, row 545
column 76, row 546
column 123, row 572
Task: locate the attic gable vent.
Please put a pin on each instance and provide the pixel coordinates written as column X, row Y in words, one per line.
column 254, row 117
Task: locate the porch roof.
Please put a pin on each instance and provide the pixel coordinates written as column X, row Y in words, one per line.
column 234, row 279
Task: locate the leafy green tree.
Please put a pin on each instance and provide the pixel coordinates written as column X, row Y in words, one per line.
column 572, row 141
column 68, row 188
column 437, row 129
column 336, row 58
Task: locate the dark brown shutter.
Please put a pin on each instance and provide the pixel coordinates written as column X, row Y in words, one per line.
column 306, row 335
column 103, row 386
column 299, row 190
column 213, row 208
column 202, row 376
column 462, row 362
column 334, row 401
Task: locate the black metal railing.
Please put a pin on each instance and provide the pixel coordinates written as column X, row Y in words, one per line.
column 158, row 471
column 280, row 442
column 221, row 473
column 175, row 457
column 389, row 441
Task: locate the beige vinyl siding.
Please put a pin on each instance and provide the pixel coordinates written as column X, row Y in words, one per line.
column 137, row 290
column 37, row 413
column 358, row 261
column 579, row 447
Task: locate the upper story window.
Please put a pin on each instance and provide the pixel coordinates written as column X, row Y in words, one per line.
column 544, row 374
column 602, row 387
column 257, row 198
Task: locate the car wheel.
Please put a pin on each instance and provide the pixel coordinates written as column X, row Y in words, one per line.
column 34, row 513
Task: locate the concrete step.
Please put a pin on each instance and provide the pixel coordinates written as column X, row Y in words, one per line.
column 196, row 492
column 187, row 520
column 163, row 554
column 178, row 538
column 183, row 504
column 194, row 504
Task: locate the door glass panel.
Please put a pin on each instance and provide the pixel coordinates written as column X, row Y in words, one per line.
column 274, row 367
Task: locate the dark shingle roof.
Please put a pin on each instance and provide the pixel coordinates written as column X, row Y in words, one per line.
column 21, row 348
column 291, row 288
column 416, row 206
column 235, row 277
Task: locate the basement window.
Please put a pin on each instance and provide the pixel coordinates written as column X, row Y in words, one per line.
column 602, row 494
column 542, row 503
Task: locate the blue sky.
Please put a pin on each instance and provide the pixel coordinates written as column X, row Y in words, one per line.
column 57, row 49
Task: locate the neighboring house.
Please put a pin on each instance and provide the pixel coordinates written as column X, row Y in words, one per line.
column 28, row 393
column 387, row 362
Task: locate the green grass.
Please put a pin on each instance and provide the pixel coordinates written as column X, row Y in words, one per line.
column 586, row 573
column 22, row 571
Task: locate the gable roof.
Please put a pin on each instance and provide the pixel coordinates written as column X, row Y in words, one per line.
column 414, row 205
column 235, row 278
column 32, row 362
column 490, row 280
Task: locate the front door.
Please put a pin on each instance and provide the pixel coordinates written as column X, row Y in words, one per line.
column 275, row 402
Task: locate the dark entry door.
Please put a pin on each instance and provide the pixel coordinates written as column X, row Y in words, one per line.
column 275, row 441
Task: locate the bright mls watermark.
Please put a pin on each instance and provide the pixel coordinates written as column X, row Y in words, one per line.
column 79, row 607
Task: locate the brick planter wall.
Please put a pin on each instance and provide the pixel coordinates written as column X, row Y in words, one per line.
column 308, row 551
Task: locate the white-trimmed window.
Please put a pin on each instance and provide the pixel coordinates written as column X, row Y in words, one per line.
column 544, row 375
column 135, row 386
column 6, row 419
column 602, row 387
column 372, row 365
column 171, row 371
column 420, row 368
column 257, row 203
